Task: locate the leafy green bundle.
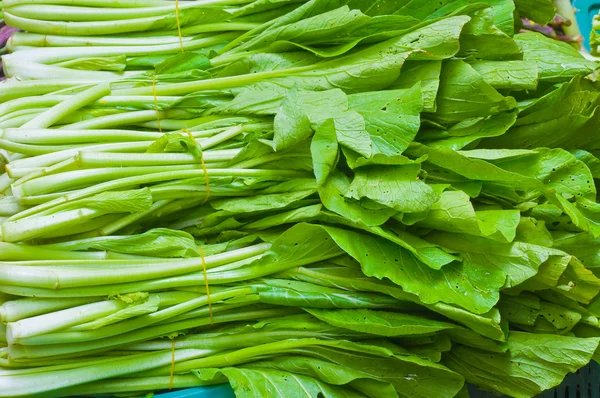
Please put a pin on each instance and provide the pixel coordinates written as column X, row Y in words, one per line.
column 319, row 198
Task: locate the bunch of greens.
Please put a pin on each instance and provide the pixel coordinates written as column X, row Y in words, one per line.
column 309, row 198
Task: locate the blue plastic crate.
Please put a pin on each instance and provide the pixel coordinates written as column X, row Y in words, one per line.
column 585, row 16
column 218, row 391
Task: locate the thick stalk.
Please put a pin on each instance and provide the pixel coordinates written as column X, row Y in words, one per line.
column 23, row 230
column 14, row 252
column 154, row 178
column 79, row 13
column 77, row 101
column 81, row 348
column 16, row 310
column 27, row 385
column 53, row 55
column 67, row 274
column 50, row 322
column 62, row 137
column 13, row 90
column 99, row 159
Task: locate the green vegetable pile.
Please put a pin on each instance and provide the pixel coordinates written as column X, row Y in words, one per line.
column 323, row 198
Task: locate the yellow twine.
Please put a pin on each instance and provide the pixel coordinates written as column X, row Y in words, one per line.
column 178, row 24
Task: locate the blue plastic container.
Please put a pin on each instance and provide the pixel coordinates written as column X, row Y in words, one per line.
column 585, row 16
column 218, row 391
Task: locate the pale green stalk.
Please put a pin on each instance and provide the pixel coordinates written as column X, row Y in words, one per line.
column 9, row 206
column 51, row 55
column 91, row 3
column 80, row 13
column 88, row 159
column 57, row 320
column 15, row 310
column 25, row 175
column 92, row 137
column 27, row 385
column 49, row 159
column 191, row 279
column 141, row 334
column 20, row 39
column 26, row 70
column 77, row 101
column 111, row 121
column 12, row 89
column 151, row 178
column 23, row 230
column 66, row 274
column 137, row 329
column 15, row 252
column 82, row 178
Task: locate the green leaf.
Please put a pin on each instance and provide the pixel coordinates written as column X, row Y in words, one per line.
column 560, row 119
column 333, row 193
column 517, row 261
column 302, row 214
column 472, row 131
column 522, row 310
column 267, row 383
column 302, row 294
column 377, row 66
column 549, row 273
column 471, row 168
column 396, row 187
column 464, row 94
column 425, row 73
column 487, row 324
column 175, row 142
column 182, row 62
column 381, row 323
column 472, row 288
column 392, row 118
column 325, row 151
column 512, row 75
column 260, row 202
column 423, row 250
column 455, row 213
column 159, row 242
column 533, row 363
column 578, row 283
column 370, row 374
column 557, row 61
column 482, row 40
column 540, row 11
column 581, row 245
column 291, row 123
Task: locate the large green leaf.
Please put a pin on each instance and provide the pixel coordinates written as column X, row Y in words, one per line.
column 463, row 94
column 395, row 187
column 557, row 61
column 381, row 323
column 533, row 363
column 268, row 383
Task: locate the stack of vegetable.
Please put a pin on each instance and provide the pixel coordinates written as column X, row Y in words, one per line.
column 301, row 198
